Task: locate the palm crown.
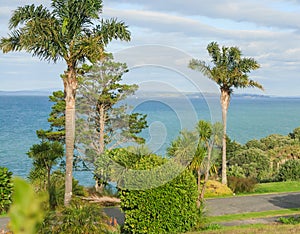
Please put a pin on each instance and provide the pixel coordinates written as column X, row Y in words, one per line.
column 66, row 32
column 229, row 70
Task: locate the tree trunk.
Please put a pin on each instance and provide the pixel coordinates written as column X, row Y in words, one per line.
column 99, row 187
column 49, row 186
column 70, row 86
column 199, row 188
column 225, row 100
column 101, row 129
column 209, row 151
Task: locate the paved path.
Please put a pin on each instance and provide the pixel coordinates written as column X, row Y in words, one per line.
column 3, row 223
column 255, row 203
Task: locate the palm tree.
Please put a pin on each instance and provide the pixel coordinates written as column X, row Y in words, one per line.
column 229, row 71
column 68, row 32
column 45, row 156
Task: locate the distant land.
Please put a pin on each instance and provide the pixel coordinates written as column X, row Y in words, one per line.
column 27, row 93
column 142, row 94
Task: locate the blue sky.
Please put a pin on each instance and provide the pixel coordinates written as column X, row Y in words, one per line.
column 166, row 34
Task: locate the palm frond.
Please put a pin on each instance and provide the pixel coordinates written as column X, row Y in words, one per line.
column 201, row 66
column 110, row 29
column 26, row 13
column 11, row 43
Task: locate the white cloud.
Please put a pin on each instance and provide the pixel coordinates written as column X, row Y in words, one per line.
column 267, row 30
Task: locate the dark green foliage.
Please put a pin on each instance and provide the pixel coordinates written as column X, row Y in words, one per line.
column 170, row 208
column 289, row 220
column 57, row 189
column 105, row 122
column 45, row 156
column 290, row 170
column 241, row 185
column 254, row 162
column 295, row 134
column 77, row 218
column 56, row 119
column 6, row 189
column 276, row 140
column 232, row 147
column 257, row 144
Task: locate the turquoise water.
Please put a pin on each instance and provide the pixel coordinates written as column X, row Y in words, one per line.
column 249, row 118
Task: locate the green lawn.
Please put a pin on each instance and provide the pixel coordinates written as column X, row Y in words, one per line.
column 251, row 215
column 254, row 229
column 277, row 187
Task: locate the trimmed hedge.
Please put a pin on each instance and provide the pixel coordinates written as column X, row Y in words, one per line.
column 6, row 188
column 170, row 208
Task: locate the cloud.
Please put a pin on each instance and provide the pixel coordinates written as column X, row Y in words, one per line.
column 262, row 13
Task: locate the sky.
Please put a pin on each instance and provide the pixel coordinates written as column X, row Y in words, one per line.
column 166, row 34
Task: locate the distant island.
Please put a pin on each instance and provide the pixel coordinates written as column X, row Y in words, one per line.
column 148, row 94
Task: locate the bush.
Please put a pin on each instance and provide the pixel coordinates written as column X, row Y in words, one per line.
column 289, row 220
column 241, row 185
column 79, row 217
column 170, row 208
column 215, row 188
column 6, row 188
column 254, row 162
column 290, row 170
column 58, row 188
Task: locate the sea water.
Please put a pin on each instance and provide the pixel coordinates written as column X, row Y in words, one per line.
column 248, row 118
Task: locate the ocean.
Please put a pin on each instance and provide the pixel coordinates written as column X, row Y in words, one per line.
column 248, row 118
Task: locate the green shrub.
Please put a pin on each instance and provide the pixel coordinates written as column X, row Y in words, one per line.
column 235, row 170
column 79, row 217
column 215, row 188
column 289, row 220
column 169, row 208
column 254, row 162
column 290, row 170
column 6, row 188
column 57, row 188
column 241, row 185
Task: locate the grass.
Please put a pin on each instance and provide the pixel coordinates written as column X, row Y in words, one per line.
column 254, row 229
column 252, row 215
column 277, row 187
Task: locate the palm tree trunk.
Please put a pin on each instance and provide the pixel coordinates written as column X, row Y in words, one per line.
column 199, row 188
column 209, row 151
column 225, row 100
column 70, row 86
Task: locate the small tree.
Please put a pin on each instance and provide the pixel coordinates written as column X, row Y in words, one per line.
column 104, row 121
column 207, row 137
column 210, row 136
column 45, row 155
